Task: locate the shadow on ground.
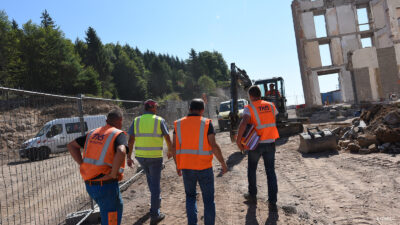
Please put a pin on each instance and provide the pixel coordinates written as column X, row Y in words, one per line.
column 142, row 220
column 251, row 216
column 318, row 155
column 234, row 159
column 281, row 141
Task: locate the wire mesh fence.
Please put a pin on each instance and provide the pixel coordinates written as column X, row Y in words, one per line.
column 39, row 181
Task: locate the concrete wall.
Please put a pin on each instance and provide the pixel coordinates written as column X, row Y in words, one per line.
column 367, row 58
column 363, row 84
column 307, row 23
column 312, row 54
column 336, row 52
column 389, row 70
column 314, row 88
column 393, row 15
column 346, row 84
column 379, row 14
column 346, row 19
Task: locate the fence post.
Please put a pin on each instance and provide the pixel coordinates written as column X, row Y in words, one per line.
column 82, row 123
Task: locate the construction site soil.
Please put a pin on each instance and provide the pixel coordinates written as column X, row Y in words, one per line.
column 337, row 187
column 322, row 188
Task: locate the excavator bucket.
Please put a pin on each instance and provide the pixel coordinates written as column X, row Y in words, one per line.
column 319, row 141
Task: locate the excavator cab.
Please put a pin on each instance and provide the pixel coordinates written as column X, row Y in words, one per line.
column 273, row 90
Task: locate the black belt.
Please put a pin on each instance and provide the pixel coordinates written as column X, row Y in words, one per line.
column 100, row 182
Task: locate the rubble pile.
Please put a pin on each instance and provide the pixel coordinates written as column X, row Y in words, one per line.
column 329, row 113
column 376, row 130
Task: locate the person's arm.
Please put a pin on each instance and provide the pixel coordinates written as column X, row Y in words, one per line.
column 167, row 139
column 217, row 152
column 75, row 150
column 242, row 128
column 131, row 142
column 118, row 160
column 179, row 172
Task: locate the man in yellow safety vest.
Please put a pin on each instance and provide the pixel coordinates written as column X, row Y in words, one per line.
column 147, row 133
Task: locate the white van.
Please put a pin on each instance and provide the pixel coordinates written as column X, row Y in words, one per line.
column 56, row 134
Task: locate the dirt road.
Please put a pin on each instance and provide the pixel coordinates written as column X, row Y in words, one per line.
column 324, row 188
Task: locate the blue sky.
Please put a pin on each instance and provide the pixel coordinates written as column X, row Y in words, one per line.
column 257, row 35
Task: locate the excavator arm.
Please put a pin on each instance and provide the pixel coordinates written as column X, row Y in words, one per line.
column 240, row 78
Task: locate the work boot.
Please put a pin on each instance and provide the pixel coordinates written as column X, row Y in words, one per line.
column 251, row 198
column 272, row 207
column 156, row 220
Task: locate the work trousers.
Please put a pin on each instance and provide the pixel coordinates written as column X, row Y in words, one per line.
column 267, row 151
column 152, row 168
column 108, row 198
column 206, row 182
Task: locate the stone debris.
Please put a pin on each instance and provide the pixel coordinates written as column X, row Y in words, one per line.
column 376, row 130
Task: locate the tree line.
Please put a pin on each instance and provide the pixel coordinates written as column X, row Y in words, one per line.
column 39, row 57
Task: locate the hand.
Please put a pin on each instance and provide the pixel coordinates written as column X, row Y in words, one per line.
column 169, row 154
column 130, row 162
column 179, row 172
column 241, row 147
column 224, row 168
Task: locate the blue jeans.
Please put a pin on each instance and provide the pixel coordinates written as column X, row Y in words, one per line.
column 267, row 151
column 152, row 168
column 108, row 197
column 206, row 182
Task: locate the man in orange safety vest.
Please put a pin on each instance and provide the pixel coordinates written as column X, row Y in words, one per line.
column 193, row 148
column 261, row 114
column 102, row 165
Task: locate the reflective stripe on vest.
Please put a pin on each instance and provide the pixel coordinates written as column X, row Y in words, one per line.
column 259, row 125
column 87, row 140
column 200, row 151
column 100, row 161
column 154, row 134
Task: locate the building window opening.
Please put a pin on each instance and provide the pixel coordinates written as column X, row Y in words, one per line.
column 325, row 52
column 363, row 19
column 320, row 26
column 398, row 15
column 329, row 88
column 366, row 42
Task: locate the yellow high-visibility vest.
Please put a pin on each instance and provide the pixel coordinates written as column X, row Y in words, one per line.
column 148, row 136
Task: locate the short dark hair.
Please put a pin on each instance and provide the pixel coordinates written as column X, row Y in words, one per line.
column 255, row 91
column 114, row 115
column 197, row 104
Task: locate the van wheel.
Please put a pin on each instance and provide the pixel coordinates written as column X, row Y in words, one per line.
column 47, row 155
column 32, row 154
column 43, row 153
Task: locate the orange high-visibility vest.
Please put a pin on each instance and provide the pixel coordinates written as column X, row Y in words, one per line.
column 274, row 92
column 192, row 148
column 99, row 152
column 263, row 117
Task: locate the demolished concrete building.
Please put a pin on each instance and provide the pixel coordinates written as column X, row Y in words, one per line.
column 366, row 73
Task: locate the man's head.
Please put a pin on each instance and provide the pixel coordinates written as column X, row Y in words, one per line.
column 114, row 118
column 271, row 87
column 150, row 106
column 197, row 106
column 254, row 93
